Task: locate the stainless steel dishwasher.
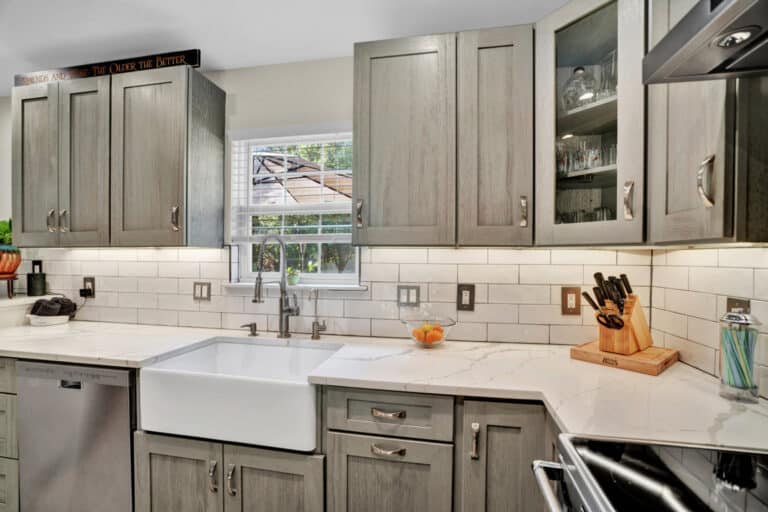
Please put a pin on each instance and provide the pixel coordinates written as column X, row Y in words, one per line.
column 74, row 429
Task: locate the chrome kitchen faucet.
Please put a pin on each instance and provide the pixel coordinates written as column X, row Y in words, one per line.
column 286, row 310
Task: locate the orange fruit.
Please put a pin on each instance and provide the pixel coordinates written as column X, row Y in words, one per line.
column 418, row 335
column 438, row 327
column 433, row 336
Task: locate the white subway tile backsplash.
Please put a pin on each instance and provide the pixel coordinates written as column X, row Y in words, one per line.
column 157, row 254
column 159, row 285
column 692, row 257
column 429, row 273
column 100, row 268
column 237, row 320
column 386, row 272
column 704, row 332
column 137, row 269
column 178, row 269
column 138, row 300
column 440, row 255
column 388, row 328
column 117, row 284
column 488, row 274
column 177, row 302
column 501, row 313
column 158, row 317
column 670, row 277
column 551, row 274
column 700, row 356
column 571, row 334
column 371, row 309
column 398, row 255
column 723, row 281
column 518, row 256
column 761, row 284
column 639, row 257
column 518, row 333
column 672, row 323
column 202, row 255
column 121, row 254
column 119, row 315
column 223, row 304
column 465, row 331
column 546, row 315
column 696, row 304
column 583, row 257
column 214, row 271
column 745, row 257
column 518, row 294
column 200, row 319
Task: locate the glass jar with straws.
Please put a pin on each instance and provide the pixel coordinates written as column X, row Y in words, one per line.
column 738, row 340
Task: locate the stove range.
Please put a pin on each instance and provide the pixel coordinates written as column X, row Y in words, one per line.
column 607, row 475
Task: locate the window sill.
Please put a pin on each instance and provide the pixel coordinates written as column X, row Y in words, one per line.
column 234, row 287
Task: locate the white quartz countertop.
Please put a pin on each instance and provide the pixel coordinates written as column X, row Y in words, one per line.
column 679, row 406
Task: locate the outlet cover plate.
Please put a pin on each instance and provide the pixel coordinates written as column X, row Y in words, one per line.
column 570, row 300
column 735, row 303
column 201, row 290
column 408, row 295
column 89, row 283
column 465, row 297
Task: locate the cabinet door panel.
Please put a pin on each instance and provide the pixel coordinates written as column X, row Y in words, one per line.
column 510, row 436
column 687, row 123
column 149, row 127
column 495, row 113
column 417, row 476
column 272, row 480
column 9, row 485
column 404, row 154
column 35, row 165
column 173, row 474
column 84, row 161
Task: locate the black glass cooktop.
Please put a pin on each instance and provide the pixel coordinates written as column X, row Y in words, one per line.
column 649, row 477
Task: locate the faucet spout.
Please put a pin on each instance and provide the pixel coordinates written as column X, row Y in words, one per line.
column 286, row 310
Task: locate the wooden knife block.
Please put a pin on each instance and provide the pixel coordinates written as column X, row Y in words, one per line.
column 634, row 336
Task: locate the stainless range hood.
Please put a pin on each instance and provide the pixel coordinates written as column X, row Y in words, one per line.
column 716, row 39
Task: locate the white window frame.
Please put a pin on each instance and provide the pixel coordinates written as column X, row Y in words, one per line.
column 246, row 243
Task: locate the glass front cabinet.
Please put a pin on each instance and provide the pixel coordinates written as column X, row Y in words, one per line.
column 590, row 105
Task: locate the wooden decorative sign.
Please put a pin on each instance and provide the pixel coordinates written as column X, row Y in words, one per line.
column 162, row 60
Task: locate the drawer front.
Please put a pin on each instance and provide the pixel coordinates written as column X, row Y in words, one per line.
column 9, row 485
column 391, row 414
column 8, row 444
column 7, row 375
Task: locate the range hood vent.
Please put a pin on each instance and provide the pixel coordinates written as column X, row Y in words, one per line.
column 716, row 39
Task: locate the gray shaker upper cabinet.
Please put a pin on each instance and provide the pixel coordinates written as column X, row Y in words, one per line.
column 404, row 141
column 35, row 165
column 495, row 136
column 167, row 159
column 83, row 217
column 590, row 149
column 707, row 155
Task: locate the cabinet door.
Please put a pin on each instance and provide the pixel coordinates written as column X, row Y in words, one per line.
column 380, row 473
column 177, row 475
column 9, row 485
column 495, row 136
column 689, row 126
column 590, row 147
column 404, row 145
column 84, row 161
column 257, row 480
column 149, row 134
column 499, row 443
column 9, row 443
column 35, row 165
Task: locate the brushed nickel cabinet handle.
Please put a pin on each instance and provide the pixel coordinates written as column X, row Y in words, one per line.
column 523, row 211
column 629, row 199
column 377, row 450
column 49, row 221
column 389, row 415
column 63, row 226
column 706, row 196
column 230, row 476
column 359, row 213
column 474, row 454
column 212, row 485
column 175, row 218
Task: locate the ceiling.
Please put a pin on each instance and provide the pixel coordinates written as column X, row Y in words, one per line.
column 44, row 34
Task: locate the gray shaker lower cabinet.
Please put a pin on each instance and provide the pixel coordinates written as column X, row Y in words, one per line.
column 258, row 480
column 9, row 485
column 499, row 442
column 177, row 475
column 368, row 473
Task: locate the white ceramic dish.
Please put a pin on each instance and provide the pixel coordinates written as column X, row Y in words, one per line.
column 45, row 321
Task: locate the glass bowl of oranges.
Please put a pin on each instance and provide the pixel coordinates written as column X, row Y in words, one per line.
column 429, row 332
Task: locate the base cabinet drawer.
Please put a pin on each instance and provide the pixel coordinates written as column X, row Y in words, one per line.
column 9, row 446
column 7, row 375
column 390, row 413
column 9, row 485
column 370, row 473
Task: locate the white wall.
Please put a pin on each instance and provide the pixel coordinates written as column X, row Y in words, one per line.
column 5, row 157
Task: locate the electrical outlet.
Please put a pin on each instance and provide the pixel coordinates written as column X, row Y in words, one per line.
column 201, row 290
column 89, row 288
column 408, row 296
column 733, row 303
column 465, row 297
column 570, row 300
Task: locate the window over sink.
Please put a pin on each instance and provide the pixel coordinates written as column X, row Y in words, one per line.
column 299, row 188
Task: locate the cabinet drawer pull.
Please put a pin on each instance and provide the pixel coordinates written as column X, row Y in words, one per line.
column 390, row 415
column 212, row 485
column 230, row 476
column 63, row 226
column 523, row 211
column 49, row 220
column 359, row 213
column 629, row 199
column 706, row 196
column 474, row 455
column 175, row 218
column 377, row 450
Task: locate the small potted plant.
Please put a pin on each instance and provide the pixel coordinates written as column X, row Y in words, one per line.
column 10, row 256
column 292, row 276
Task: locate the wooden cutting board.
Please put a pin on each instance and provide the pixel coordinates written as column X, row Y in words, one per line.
column 651, row 361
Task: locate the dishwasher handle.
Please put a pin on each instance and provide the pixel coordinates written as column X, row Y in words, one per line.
column 544, row 471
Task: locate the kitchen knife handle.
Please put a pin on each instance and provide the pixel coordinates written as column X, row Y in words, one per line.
column 600, row 280
column 591, row 302
column 627, row 286
column 599, row 295
column 619, row 286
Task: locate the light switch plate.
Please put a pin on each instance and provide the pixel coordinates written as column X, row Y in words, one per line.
column 465, row 297
column 734, row 303
column 570, row 300
column 408, row 295
column 201, row 290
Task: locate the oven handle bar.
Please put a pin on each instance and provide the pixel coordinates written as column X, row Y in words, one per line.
column 544, row 471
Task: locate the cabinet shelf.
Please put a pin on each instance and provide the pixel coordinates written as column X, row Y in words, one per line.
column 595, row 117
column 587, row 172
